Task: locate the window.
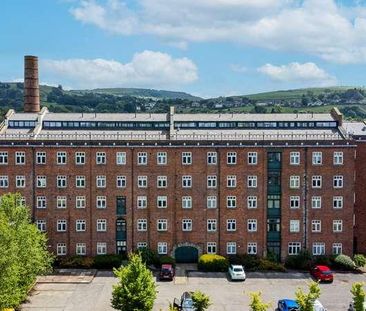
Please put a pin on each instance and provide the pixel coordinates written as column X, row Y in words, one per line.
column 337, row 225
column 316, row 226
column 186, row 224
column 162, row 181
column 211, row 225
column 61, row 202
column 41, row 181
column 100, row 158
column 101, row 181
column 20, row 158
column 41, row 225
column 211, row 181
column 231, row 181
column 252, row 225
column 3, row 158
column 231, row 225
column 338, row 158
column 211, row 247
column 294, row 225
column 187, row 202
column 80, row 202
column 252, row 201
column 161, row 158
column 141, row 245
column 101, row 248
column 80, row 225
column 80, row 249
column 211, row 158
column 186, row 158
column 141, row 202
column 211, row 201
column 41, row 157
column 318, row 249
column 101, row 201
column 141, row 158
column 121, row 158
column 294, row 248
column 316, row 181
column 41, row 202
column 231, row 248
column 79, row 158
column 61, row 157
column 101, row 225
column 316, row 202
column 80, row 181
column 162, row 201
column 252, row 181
column 294, row 182
column 141, row 224
column 61, row 249
column 338, row 181
column 121, row 181
column 61, row 225
column 294, row 202
column 337, row 248
column 4, row 182
column 162, row 224
column 252, row 248
column 231, row 201
column 162, row 248
column 20, row 181
column 317, row 158
column 337, row 202
column 252, row 158
column 142, row 181
column 294, row 158
column 186, row 181
column 231, row 158
column 61, row 181
column 20, row 201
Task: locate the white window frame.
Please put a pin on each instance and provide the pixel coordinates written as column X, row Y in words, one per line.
column 162, row 225
column 252, row 201
column 186, row 181
column 80, row 181
column 187, row 224
column 316, row 182
column 316, row 225
column 61, row 201
column 211, row 247
column 101, row 181
column 231, row 225
column 162, row 248
column 61, row 181
column 61, row 225
column 121, row 181
column 41, row 225
column 142, row 158
column 162, row 201
column 141, row 225
column 20, row 181
column 4, row 158
column 80, row 249
column 41, row 201
column 211, row 201
column 294, row 182
column 61, row 249
column 80, row 158
column 4, row 181
column 338, row 158
column 141, row 201
column 231, row 201
column 211, row 225
column 231, row 158
column 252, row 181
column 252, row 248
column 338, row 181
column 211, row 181
column 253, row 158
column 186, row 158
column 121, row 158
column 186, row 201
column 252, row 225
column 101, row 248
column 101, row 202
column 80, row 225
column 141, row 181
column 61, row 158
column 317, row 158
column 294, row 248
column 41, row 181
column 338, row 202
column 316, row 202
column 101, row 225
column 162, row 158
column 100, row 158
column 337, row 248
column 20, row 158
column 162, row 182
column 230, row 248
column 41, row 157
column 294, row 202
column 318, row 248
column 231, row 181
column 337, row 226
column 80, row 201
column 211, row 158
column 294, row 225
column 294, row 158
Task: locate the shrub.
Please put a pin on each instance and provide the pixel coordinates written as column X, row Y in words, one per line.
column 301, row 261
column 201, row 301
column 344, row 262
column 149, row 257
column 360, row 260
column 166, row 260
column 107, row 261
column 249, row 262
column 76, row 262
column 267, row 265
column 322, row 260
column 213, row 262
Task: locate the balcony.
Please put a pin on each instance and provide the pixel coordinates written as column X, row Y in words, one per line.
column 273, row 189
column 273, row 212
column 274, row 165
column 273, row 236
column 121, row 235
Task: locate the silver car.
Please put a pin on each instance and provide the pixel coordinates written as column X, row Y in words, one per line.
column 236, row 272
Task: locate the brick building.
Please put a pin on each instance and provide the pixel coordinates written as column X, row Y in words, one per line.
column 182, row 184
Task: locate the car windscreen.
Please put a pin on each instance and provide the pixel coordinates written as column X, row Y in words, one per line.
column 326, row 272
column 238, row 270
column 187, row 303
column 165, row 270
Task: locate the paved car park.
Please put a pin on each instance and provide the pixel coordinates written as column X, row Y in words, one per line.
column 225, row 295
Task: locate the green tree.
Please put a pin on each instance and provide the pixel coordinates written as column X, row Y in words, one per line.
column 200, row 301
column 136, row 290
column 23, row 251
column 306, row 301
column 256, row 302
column 358, row 296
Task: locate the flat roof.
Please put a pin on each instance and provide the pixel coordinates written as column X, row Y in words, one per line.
column 355, row 128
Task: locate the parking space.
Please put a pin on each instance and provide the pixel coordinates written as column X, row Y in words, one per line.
column 225, row 295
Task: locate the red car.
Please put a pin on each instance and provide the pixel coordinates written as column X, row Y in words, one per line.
column 166, row 272
column 322, row 274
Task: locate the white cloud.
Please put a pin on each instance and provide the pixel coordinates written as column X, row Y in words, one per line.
column 307, row 73
column 146, row 69
column 317, row 27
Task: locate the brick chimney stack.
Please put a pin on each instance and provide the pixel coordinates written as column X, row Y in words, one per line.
column 31, row 84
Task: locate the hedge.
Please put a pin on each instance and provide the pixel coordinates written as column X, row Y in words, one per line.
column 213, row 263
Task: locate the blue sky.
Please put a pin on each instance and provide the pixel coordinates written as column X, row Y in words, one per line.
column 205, row 47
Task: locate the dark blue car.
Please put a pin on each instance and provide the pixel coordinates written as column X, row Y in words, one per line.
column 288, row 305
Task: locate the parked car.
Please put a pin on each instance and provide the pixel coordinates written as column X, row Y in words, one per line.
column 352, row 308
column 318, row 306
column 185, row 303
column 322, row 273
column 166, row 272
column 287, row 305
column 236, row 272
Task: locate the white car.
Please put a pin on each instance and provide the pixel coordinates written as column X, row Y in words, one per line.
column 318, row 306
column 237, row 272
